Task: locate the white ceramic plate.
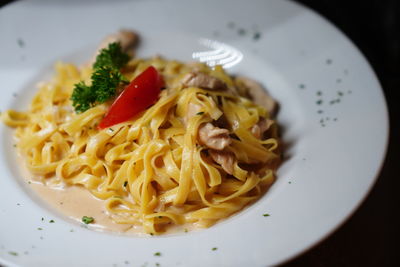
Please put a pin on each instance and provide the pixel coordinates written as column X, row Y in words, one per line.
column 333, row 116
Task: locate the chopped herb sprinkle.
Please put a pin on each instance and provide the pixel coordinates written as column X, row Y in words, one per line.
column 20, row 42
column 157, row 264
column 51, row 221
column 200, row 113
column 319, row 93
column 13, row 253
column 241, row 31
column 40, row 229
column 319, row 102
column 302, row 86
column 87, row 220
column 214, row 248
column 256, row 36
column 266, row 215
column 125, row 183
column 158, row 254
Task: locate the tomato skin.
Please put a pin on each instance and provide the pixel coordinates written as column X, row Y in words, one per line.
column 141, row 93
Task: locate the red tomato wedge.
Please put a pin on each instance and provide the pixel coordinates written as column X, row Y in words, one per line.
column 141, row 93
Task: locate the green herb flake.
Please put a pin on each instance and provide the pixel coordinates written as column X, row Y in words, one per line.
column 214, row 248
column 186, row 230
column 87, row 220
column 157, row 264
column 266, row 215
column 340, row 93
column 302, row 86
column 319, row 93
column 241, row 31
column 21, row 42
column 290, row 182
column 51, row 221
column 42, row 219
column 256, row 36
column 319, row 102
column 125, row 183
column 200, row 113
column 40, row 229
column 13, row 253
column 157, row 254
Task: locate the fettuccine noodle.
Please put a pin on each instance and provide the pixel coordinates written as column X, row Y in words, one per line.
column 153, row 170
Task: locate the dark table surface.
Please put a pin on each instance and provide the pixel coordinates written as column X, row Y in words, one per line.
column 369, row 237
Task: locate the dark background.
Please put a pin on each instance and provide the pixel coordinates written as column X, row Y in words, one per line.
column 369, row 237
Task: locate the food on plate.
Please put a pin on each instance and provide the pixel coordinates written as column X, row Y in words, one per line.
column 160, row 143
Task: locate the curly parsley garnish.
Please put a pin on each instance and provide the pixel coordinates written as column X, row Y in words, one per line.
column 106, row 78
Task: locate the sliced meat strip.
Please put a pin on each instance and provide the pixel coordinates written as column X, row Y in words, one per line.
column 224, row 158
column 254, row 91
column 214, row 137
column 261, row 127
column 202, row 80
column 127, row 39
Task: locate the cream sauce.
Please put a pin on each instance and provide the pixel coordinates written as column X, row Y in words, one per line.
column 75, row 202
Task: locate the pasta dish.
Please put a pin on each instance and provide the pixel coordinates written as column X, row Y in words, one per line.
column 169, row 143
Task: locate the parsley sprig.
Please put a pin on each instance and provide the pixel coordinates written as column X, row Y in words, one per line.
column 106, row 78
